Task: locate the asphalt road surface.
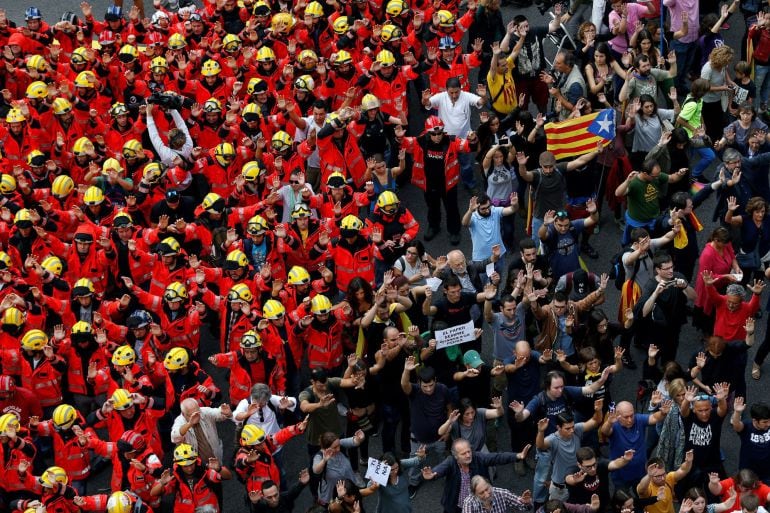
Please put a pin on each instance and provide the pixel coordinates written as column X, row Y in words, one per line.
column 606, row 243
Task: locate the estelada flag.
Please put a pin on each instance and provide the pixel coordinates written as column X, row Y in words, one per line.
column 579, row 136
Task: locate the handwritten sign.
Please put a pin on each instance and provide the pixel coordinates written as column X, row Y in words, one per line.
column 378, row 471
column 433, row 283
column 455, row 335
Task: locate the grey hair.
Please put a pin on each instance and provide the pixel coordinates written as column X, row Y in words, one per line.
column 731, row 155
column 457, row 442
column 735, row 289
column 260, row 392
column 477, row 481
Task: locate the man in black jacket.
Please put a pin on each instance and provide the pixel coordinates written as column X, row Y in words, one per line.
column 270, row 500
column 461, row 466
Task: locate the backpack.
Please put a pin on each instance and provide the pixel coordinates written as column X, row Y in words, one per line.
column 618, row 270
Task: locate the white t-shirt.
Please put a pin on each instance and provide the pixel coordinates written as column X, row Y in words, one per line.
column 456, row 116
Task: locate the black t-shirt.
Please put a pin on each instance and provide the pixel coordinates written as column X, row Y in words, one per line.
column 599, row 484
column 704, row 439
column 434, row 157
column 755, row 450
column 428, row 412
column 458, row 313
column 478, row 388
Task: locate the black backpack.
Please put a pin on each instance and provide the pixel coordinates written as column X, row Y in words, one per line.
column 618, row 270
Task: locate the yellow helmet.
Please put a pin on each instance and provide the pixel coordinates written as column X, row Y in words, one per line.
column 15, row 116
column 176, row 41
column 128, row 53
column 13, row 316
column 282, row 22
column 53, row 265
column 320, row 305
column 122, row 219
column 7, row 183
column 132, row 148
column 37, row 89
column 241, row 293
column 175, row 292
column 23, row 216
column 351, row 222
column 121, row 399
column 212, row 105
column 120, row 109
column 62, row 186
column 369, row 102
column 256, row 85
column 61, row 106
column 81, row 327
column 152, row 172
column 93, row 196
column 256, row 225
column 261, row 8
column 159, row 65
column 169, row 246
column 224, row 153
column 386, row 58
column 176, row 359
column 53, row 475
column 111, row 164
column 9, row 421
column 304, row 83
column 120, row 502
column 342, row 57
column 82, row 146
column 235, row 259
column 185, row 455
column 251, row 340
column 307, row 54
column 341, row 25
column 211, row 68
column 314, row 9
column 83, row 287
column 265, row 54
column 34, row 340
column 124, row 355
column 387, row 199
column 396, row 7
column 300, row 210
column 252, row 435
column 446, row 18
column 281, row 141
column 36, row 158
column 390, row 32
column 79, row 55
column 64, row 416
column 298, row 276
column 5, row 261
column 37, row 62
column 210, row 200
column 250, row 171
column 336, row 180
column 82, row 80
column 273, row 309
column 231, row 43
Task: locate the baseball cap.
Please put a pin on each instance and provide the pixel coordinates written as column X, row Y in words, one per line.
column 473, row 358
column 318, row 375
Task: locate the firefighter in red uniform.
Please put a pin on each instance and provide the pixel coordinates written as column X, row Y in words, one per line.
column 338, row 81
column 212, row 85
column 388, row 82
column 262, row 246
column 188, row 379
column 307, row 238
column 249, row 365
column 321, row 334
column 397, row 227
column 18, row 400
column 98, row 209
column 19, row 137
column 84, row 260
column 57, row 496
column 220, row 168
column 352, row 254
column 16, row 447
column 450, row 64
column 437, row 172
column 125, row 410
column 254, row 461
column 122, row 130
column 339, row 150
column 84, row 354
column 181, row 328
column 236, row 313
column 165, row 268
column 140, row 467
column 126, row 502
column 42, row 369
column 192, row 482
column 339, row 199
column 69, row 453
column 278, row 338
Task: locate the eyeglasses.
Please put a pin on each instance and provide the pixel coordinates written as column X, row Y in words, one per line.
column 294, row 182
column 561, row 214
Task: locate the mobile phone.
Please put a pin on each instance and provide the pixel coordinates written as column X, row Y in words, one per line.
column 612, row 406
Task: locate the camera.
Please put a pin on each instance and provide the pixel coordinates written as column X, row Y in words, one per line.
column 169, row 100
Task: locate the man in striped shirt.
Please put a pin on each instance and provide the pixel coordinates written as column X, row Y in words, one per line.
column 485, row 498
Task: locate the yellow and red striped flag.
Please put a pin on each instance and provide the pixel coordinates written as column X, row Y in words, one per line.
column 579, row 136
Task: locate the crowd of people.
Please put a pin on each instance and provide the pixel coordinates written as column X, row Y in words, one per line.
column 233, row 173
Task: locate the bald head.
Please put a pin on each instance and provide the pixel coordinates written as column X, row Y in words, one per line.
column 522, row 348
column 625, row 411
column 188, row 407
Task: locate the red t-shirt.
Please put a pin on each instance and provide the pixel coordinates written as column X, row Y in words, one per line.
column 762, row 492
column 23, row 403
